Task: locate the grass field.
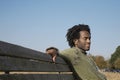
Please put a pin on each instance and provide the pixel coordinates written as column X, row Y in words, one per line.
column 112, row 75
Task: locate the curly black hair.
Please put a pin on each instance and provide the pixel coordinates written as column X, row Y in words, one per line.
column 73, row 33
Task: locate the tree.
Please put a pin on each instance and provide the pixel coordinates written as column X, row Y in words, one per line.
column 100, row 61
column 108, row 64
column 115, row 56
column 117, row 63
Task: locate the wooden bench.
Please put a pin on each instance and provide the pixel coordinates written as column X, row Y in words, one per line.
column 20, row 63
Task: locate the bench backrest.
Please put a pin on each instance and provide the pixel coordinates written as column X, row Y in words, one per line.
column 20, row 63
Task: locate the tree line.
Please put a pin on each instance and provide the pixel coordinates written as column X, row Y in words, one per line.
column 112, row 63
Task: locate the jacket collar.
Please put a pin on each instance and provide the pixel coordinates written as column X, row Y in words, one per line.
column 81, row 50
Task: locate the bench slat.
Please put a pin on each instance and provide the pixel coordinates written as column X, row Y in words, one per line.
column 21, row 64
column 8, row 49
column 37, row 77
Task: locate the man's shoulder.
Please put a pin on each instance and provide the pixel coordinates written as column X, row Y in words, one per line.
column 68, row 54
column 68, row 51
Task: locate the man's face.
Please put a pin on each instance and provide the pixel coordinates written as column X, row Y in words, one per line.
column 84, row 41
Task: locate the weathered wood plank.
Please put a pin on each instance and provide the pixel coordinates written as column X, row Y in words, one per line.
column 29, row 77
column 21, row 64
column 8, row 49
column 37, row 77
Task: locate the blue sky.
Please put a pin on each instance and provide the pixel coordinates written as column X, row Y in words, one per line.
column 38, row 24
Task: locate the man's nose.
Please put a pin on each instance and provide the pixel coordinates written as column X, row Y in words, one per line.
column 88, row 41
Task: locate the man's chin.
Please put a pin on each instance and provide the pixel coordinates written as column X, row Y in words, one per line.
column 87, row 49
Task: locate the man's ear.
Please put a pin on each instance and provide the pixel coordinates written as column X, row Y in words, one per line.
column 75, row 41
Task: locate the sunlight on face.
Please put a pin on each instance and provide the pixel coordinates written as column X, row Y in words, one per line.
column 84, row 41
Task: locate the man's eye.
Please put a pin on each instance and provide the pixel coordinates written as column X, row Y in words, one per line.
column 85, row 38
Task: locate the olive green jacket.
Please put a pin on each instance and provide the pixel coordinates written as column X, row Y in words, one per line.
column 83, row 66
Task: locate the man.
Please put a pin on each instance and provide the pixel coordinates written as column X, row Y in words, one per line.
column 53, row 52
column 79, row 39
